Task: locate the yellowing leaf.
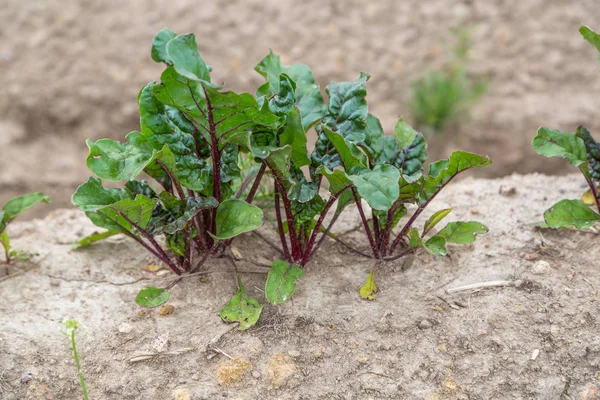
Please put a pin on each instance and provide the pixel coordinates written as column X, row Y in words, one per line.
column 588, row 198
column 367, row 292
column 152, row 268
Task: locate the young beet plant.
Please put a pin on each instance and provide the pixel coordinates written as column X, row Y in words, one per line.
column 9, row 212
column 359, row 162
column 583, row 152
column 191, row 134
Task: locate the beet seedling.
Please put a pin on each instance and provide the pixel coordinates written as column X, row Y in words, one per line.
column 9, row 212
column 582, row 151
column 191, row 134
column 70, row 327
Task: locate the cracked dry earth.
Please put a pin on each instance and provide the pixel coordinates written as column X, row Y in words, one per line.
column 536, row 338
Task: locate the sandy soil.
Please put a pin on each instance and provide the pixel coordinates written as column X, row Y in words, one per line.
column 72, row 69
column 536, row 339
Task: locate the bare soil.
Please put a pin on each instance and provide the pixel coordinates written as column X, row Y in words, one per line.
column 536, row 338
column 71, row 70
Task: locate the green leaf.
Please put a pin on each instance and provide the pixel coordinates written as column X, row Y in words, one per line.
column 241, row 308
column 591, row 36
column 281, row 103
column 368, row 290
column 435, row 219
column 151, row 297
column 441, row 172
column 93, row 238
column 347, row 111
column 114, row 161
column 379, row 187
column 411, row 157
column 119, row 216
column 159, row 45
column 567, row 213
column 435, row 246
column 175, row 213
column 349, row 153
column 183, row 53
column 231, row 113
column 295, row 136
column 554, row 143
column 338, row 180
column 5, row 241
column 308, row 96
column 373, row 143
column 235, row 217
column 281, row 281
column 404, row 133
column 17, row 205
column 92, row 196
column 593, row 154
column 462, row 232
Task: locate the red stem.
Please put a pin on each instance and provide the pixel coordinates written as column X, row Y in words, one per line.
column 315, row 232
column 256, row 183
column 365, row 224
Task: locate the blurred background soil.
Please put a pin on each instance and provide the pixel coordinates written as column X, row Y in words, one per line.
column 71, row 70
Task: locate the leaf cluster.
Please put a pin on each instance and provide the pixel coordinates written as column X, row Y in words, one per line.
column 582, row 151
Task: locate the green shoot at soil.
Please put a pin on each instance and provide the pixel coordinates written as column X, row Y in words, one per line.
column 71, row 326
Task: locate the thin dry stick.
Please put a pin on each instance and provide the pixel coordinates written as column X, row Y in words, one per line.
column 481, row 285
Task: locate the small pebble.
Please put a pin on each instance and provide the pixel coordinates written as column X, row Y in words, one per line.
column 535, row 354
column 294, row 353
column 425, row 324
column 166, row 310
column 125, row 327
column 542, row 267
column 26, row 377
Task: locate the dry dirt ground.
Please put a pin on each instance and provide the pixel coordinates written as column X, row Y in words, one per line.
column 71, row 70
column 534, row 339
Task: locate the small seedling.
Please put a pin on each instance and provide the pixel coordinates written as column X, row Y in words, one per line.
column 583, row 152
column 9, row 212
column 444, row 96
column 71, row 326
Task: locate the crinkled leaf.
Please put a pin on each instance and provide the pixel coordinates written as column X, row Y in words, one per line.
column 368, row 290
column 182, row 51
column 235, row 217
column 379, row 187
column 92, row 196
column 554, row 143
column 412, row 151
column 151, row 297
column 140, row 187
column 241, row 308
column 159, row 45
column 176, row 243
column 349, row 153
column 230, row 112
column 591, row 36
column 301, row 189
column 571, row 213
column 593, row 154
column 462, row 232
column 347, row 111
column 308, row 97
column 307, row 211
column 295, row 136
column 175, row 213
column 111, row 160
column 435, row 219
column 373, row 143
column 281, row 281
column 93, row 238
column 281, row 103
